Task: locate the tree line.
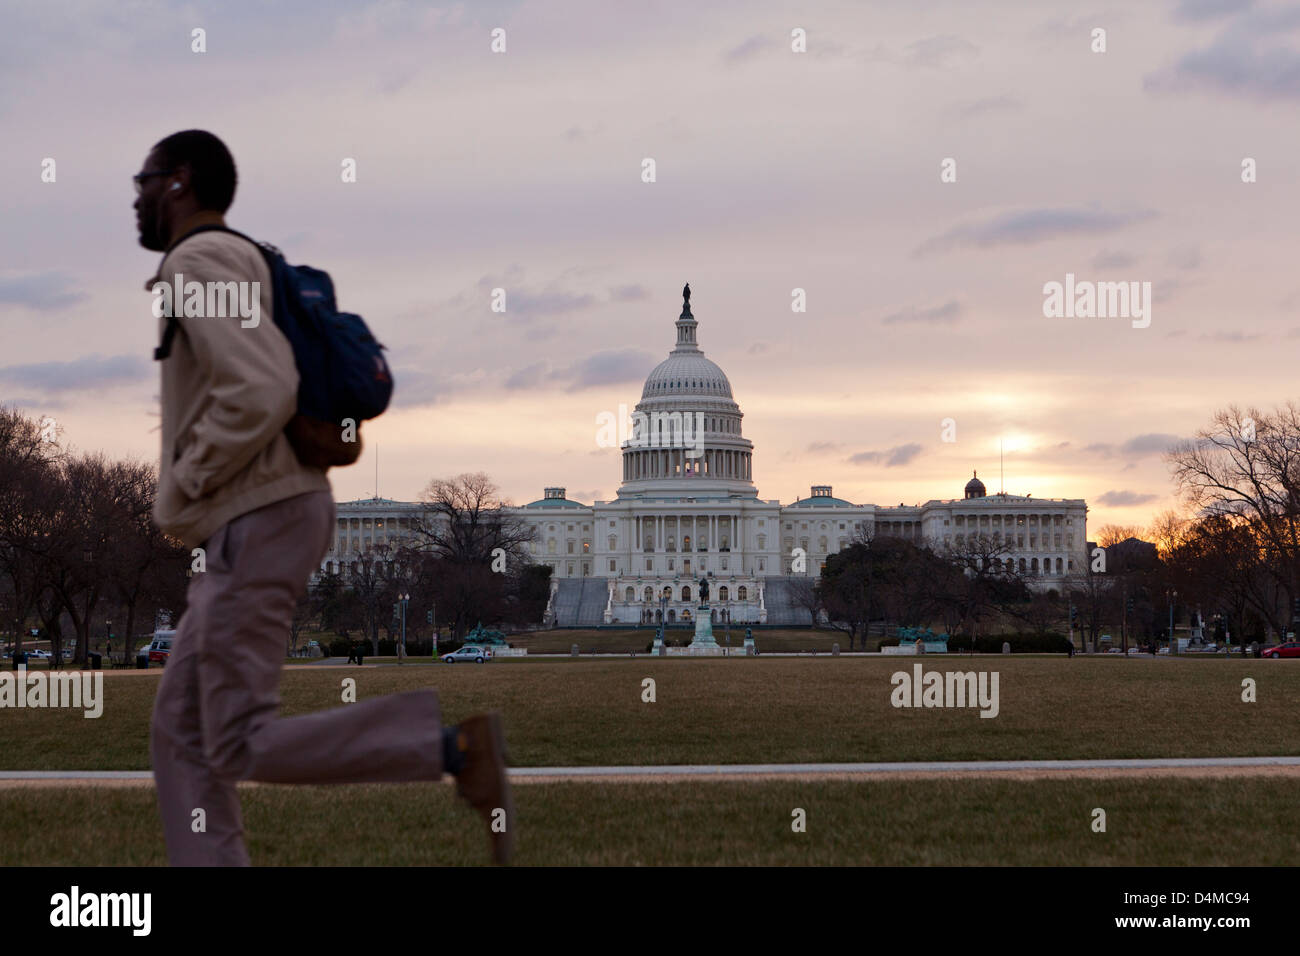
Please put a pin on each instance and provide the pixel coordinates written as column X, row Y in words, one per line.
column 81, row 559
column 80, row 556
column 1229, row 556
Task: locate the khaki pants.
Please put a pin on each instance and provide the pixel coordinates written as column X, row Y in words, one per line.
column 215, row 719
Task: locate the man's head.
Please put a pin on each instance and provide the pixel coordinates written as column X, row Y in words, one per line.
column 186, row 173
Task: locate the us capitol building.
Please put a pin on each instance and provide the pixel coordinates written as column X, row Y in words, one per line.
column 680, row 516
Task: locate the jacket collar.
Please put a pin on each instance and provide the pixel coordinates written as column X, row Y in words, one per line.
column 204, row 217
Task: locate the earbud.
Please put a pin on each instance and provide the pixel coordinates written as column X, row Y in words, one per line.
column 175, row 186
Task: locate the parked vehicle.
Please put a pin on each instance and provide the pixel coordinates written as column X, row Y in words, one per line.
column 1289, row 649
column 470, row 652
column 158, row 650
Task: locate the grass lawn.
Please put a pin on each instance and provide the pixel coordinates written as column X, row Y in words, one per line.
column 761, row 710
column 1151, row 822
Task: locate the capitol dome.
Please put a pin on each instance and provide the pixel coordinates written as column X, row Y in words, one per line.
column 688, row 391
column 975, row 487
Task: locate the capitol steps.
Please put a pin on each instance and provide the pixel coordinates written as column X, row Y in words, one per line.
column 778, row 593
column 580, row 602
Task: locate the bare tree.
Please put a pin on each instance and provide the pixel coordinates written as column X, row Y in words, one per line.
column 1109, row 535
column 1246, row 467
column 466, row 529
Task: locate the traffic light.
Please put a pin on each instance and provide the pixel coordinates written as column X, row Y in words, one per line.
column 1130, row 605
column 428, row 617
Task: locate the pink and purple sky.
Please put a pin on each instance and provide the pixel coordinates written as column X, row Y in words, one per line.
column 775, row 170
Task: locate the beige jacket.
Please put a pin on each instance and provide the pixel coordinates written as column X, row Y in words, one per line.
column 227, row 393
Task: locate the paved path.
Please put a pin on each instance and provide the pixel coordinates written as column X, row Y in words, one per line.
column 1007, row 769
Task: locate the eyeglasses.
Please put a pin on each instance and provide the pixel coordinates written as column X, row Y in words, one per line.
column 139, row 178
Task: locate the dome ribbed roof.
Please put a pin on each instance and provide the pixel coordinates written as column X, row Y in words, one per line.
column 686, row 374
column 975, row 487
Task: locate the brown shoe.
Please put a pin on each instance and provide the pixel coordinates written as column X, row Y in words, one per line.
column 483, row 783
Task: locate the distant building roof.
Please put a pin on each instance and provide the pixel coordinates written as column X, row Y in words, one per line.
column 554, row 498
column 821, row 497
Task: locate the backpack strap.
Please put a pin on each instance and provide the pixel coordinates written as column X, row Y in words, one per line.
column 164, row 348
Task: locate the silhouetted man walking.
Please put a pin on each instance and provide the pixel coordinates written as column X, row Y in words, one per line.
column 231, row 483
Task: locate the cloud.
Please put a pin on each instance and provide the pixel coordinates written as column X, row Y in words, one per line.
column 939, row 51
column 1209, row 9
column 1024, row 227
column 524, row 303
column 576, row 134
column 1113, row 260
column 989, row 104
column 1166, row 290
column 818, row 447
column 629, row 293
column 941, row 314
column 40, row 291
column 415, row 386
column 530, row 376
column 1185, row 257
column 86, row 373
column 749, row 49
column 613, row 367
column 1123, row 499
column 892, row 458
column 1152, row 443
column 1232, row 338
column 1247, row 59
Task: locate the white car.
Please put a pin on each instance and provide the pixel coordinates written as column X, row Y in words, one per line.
column 470, row 652
column 37, row 652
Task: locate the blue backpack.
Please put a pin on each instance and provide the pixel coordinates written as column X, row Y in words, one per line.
column 342, row 374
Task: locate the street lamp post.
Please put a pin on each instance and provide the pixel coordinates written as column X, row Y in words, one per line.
column 404, row 598
column 1173, row 596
